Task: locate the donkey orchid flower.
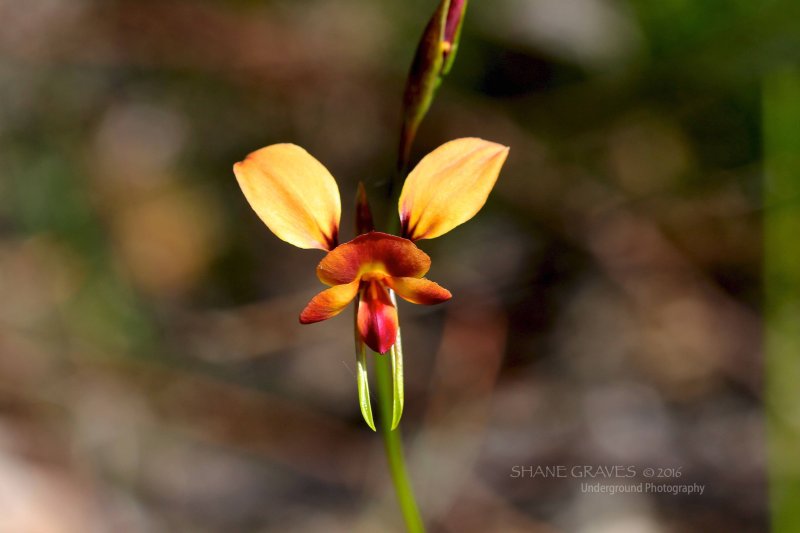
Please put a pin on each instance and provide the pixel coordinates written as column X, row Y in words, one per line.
column 298, row 199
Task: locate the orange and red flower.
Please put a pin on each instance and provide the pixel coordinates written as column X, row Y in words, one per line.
column 297, row 198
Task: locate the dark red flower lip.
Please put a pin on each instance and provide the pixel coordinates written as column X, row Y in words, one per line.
column 377, row 317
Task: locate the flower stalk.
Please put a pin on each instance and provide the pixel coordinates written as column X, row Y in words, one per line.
column 393, row 445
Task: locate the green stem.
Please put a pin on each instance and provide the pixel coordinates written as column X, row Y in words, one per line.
column 389, row 371
column 781, row 287
column 394, row 447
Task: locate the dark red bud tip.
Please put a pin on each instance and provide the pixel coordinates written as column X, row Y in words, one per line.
column 454, row 15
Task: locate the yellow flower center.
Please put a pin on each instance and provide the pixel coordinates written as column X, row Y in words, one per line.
column 373, row 271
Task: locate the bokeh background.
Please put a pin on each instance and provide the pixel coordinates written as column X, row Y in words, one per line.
column 154, row 377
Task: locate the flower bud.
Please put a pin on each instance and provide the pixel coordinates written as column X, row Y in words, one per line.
column 434, row 57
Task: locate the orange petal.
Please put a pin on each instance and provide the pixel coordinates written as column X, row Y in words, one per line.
column 418, row 290
column 329, row 303
column 293, row 193
column 374, row 252
column 449, row 186
column 377, row 318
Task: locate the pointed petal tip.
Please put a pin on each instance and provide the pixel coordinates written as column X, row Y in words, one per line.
column 383, row 348
column 380, row 345
column 306, row 318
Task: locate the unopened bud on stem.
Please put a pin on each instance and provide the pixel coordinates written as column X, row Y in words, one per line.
column 434, row 57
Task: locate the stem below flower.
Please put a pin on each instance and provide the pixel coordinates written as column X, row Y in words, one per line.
column 394, row 447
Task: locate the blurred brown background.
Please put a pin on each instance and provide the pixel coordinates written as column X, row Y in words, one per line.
column 154, row 377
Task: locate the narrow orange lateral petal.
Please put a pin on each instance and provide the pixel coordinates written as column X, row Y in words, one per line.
column 377, row 318
column 418, row 290
column 329, row 303
column 375, row 252
column 449, row 186
column 293, row 193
